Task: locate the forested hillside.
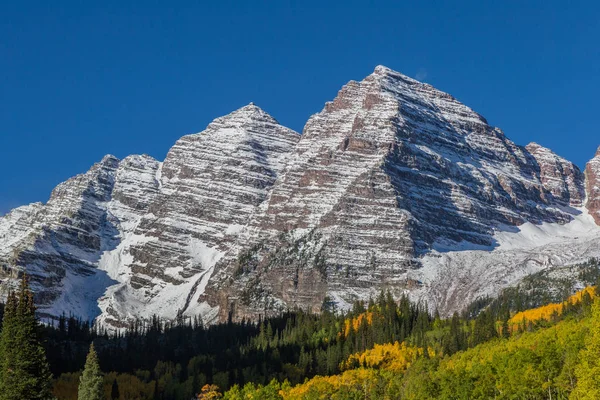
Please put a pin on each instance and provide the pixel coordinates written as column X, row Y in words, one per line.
column 545, row 360
column 530, row 342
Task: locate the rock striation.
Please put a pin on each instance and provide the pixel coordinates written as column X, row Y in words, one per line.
column 210, row 185
column 394, row 185
column 592, row 172
column 563, row 179
column 61, row 242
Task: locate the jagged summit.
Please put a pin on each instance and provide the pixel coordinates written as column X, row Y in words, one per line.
column 249, row 115
column 108, row 159
column 536, row 147
column 252, row 108
column 423, row 95
column 382, row 70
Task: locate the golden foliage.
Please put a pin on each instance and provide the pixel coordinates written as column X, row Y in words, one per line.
column 546, row 312
column 209, row 392
column 395, row 357
column 323, row 387
column 361, row 371
column 355, row 323
column 588, row 370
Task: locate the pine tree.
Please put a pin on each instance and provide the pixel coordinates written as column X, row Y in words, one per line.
column 24, row 371
column 505, row 328
column 454, row 340
column 90, row 383
column 7, row 342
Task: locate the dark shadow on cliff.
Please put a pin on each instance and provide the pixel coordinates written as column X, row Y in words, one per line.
column 431, row 162
column 63, row 262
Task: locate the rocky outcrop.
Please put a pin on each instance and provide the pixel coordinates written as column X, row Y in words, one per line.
column 563, row 179
column 592, row 172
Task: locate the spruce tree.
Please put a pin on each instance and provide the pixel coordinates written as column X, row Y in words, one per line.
column 90, row 383
column 7, row 342
column 24, row 371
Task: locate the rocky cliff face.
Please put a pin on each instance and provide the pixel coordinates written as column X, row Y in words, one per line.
column 61, row 243
column 393, row 185
column 592, row 172
column 560, row 177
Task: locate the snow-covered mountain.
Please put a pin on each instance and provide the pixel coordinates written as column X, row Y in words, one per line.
column 393, row 185
column 134, row 238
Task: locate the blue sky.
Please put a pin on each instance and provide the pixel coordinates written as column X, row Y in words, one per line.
column 79, row 80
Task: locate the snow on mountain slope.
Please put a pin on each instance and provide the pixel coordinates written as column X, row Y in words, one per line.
column 453, row 279
column 60, row 243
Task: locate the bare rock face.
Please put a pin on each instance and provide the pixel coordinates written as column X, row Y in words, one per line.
column 592, row 172
column 388, row 171
column 563, row 179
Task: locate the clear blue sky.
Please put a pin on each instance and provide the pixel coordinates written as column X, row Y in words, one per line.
column 79, row 80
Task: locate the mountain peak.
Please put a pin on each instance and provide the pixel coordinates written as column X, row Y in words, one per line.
column 537, row 149
column 391, row 174
column 597, row 152
column 252, row 107
column 109, row 161
column 383, row 71
column 249, row 112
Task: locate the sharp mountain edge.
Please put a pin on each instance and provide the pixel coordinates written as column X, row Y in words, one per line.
column 394, row 185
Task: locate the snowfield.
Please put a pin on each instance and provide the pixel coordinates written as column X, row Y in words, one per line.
column 454, row 278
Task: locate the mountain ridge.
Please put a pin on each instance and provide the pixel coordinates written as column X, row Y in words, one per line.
column 248, row 217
